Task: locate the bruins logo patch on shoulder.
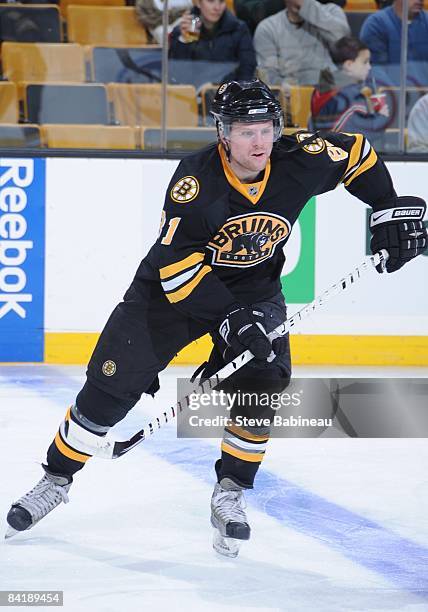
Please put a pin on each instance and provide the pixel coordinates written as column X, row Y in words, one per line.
column 185, row 190
column 314, row 147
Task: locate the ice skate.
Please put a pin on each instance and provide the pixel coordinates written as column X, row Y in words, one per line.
column 48, row 493
column 228, row 518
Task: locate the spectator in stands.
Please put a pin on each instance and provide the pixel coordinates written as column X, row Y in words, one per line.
column 417, row 127
column 341, row 102
column 381, row 32
column 254, row 11
column 222, row 38
column 383, row 3
column 149, row 13
column 292, row 46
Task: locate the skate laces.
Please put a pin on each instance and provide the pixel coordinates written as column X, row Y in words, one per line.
column 229, row 506
column 43, row 498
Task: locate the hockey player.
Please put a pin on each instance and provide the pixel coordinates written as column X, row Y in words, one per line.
column 216, row 267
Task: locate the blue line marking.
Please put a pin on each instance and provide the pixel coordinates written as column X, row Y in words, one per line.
column 401, row 561
column 367, row 543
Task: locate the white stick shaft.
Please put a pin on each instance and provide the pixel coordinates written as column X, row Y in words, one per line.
column 106, row 448
column 320, row 300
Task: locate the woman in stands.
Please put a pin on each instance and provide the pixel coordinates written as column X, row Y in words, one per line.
column 221, row 38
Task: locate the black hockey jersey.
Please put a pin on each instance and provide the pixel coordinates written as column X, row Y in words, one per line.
column 221, row 241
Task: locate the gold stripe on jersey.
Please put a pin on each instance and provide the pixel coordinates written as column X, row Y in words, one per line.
column 239, row 454
column 186, row 289
column 180, row 266
column 252, row 191
column 366, row 165
column 355, row 153
column 68, row 451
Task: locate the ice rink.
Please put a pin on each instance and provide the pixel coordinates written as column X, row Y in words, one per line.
column 337, row 524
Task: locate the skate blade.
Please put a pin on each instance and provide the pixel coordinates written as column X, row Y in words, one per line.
column 226, row 547
column 10, row 533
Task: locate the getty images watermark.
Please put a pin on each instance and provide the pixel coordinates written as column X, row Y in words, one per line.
column 310, row 408
column 245, row 400
column 299, row 408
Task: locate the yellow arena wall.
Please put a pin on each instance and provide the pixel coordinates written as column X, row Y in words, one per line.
column 306, row 350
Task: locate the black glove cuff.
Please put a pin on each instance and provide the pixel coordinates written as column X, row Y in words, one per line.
column 409, row 208
column 224, row 328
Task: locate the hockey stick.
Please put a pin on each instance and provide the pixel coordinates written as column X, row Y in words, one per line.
column 112, row 449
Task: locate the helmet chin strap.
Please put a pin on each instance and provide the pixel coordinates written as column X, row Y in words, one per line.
column 222, row 139
column 226, row 150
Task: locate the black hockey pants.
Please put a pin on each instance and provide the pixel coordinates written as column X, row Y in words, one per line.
column 141, row 337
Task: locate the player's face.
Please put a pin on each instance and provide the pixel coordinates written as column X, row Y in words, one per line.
column 250, row 146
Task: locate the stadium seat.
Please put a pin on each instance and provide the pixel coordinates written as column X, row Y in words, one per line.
column 43, row 62
column 230, row 6
column 105, row 25
column 356, row 20
column 208, row 92
column 141, row 104
column 183, row 138
column 16, row 135
column 65, row 103
column 361, row 5
column 64, row 4
column 178, row 138
column 32, row 23
column 8, row 103
column 389, row 141
column 88, row 136
column 125, row 64
column 300, row 104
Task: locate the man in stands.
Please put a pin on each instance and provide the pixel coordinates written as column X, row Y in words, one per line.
column 381, row 32
column 293, row 46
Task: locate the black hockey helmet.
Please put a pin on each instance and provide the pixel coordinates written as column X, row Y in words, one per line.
column 246, row 101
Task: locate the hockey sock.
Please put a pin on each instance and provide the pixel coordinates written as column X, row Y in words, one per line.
column 76, row 441
column 242, row 453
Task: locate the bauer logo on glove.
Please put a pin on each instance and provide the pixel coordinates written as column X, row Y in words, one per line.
column 400, row 231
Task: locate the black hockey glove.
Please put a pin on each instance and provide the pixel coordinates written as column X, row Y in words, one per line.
column 280, row 346
column 399, row 230
column 240, row 331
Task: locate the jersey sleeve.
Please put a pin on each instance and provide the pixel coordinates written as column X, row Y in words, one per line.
column 188, row 223
column 361, row 171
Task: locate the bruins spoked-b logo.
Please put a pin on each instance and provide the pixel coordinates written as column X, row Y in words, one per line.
column 247, row 240
column 317, row 145
column 109, row 368
column 185, row 190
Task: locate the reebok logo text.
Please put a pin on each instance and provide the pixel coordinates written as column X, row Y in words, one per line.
column 16, row 175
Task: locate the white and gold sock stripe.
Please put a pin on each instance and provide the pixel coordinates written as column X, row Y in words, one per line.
column 244, row 445
column 76, row 442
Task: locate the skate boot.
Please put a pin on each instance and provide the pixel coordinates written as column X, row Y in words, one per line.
column 228, row 518
column 48, row 493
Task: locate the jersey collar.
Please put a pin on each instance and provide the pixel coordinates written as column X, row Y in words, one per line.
column 251, row 191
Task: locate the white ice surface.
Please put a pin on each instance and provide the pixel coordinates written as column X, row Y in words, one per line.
column 337, row 524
